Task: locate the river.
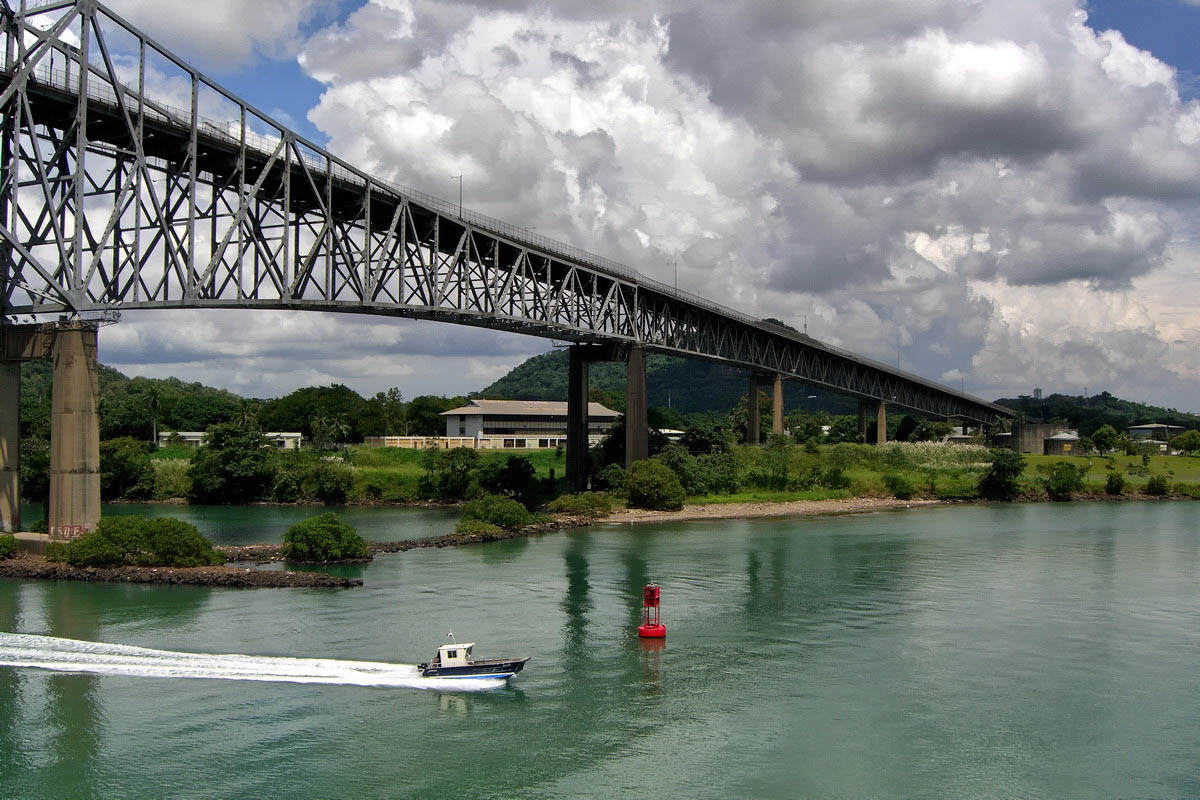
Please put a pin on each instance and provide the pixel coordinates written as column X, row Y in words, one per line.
column 962, row 651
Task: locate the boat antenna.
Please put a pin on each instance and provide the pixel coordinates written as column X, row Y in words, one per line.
column 450, row 635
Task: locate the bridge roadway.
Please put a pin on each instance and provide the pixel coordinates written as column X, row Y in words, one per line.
column 219, row 206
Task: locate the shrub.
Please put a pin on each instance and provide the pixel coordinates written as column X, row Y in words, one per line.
column 1000, row 482
column 502, row 511
column 161, row 541
column 175, row 543
column 1065, row 479
column 653, row 485
column 94, row 550
column 1157, row 485
column 1114, row 484
column 8, row 546
column 612, row 478
column 323, row 538
column 720, row 471
column 510, row 477
column 484, row 531
column 898, row 485
column 834, row 478
column 588, row 504
column 171, row 478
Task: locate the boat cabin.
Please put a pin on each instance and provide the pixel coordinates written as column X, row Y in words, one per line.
column 454, row 655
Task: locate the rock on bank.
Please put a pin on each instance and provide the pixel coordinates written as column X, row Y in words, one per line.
column 29, row 566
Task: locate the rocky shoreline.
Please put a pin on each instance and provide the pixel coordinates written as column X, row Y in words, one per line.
column 261, row 553
column 27, row 565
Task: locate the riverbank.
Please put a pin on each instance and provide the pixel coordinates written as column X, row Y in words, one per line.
column 797, row 508
column 789, row 508
column 27, row 565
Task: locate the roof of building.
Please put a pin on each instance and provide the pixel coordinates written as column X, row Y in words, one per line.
column 526, row 408
column 1064, row 436
column 1150, row 425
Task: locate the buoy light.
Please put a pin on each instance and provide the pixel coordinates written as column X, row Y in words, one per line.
column 651, row 627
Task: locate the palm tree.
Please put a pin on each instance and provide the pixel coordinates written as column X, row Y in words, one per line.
column 153, row 399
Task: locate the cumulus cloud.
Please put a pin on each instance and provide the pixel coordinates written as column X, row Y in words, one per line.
column 990, row 193
column 223, row 34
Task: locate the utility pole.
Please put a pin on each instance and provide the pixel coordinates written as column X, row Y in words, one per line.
column 459, row 178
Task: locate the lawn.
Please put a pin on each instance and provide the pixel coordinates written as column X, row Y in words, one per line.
column 1178, row 469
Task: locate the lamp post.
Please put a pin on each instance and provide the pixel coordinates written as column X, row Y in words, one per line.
column 459, row 178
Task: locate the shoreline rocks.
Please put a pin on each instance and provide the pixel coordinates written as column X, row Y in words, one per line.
column 29, row 566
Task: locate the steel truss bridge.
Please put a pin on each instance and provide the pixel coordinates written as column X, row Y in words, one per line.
column 132, row 181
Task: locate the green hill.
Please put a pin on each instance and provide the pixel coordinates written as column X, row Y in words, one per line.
column 1088, row 413
column 686, row 385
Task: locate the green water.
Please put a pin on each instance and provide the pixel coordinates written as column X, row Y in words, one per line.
column 1007, row 651
column 238, row 525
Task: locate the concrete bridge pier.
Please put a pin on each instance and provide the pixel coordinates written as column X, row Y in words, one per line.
column 881, row 423
column 777, row 406
column 74, row 433
column 577, row 417
column 862, row 421
column 637, row 429
column 10, row 446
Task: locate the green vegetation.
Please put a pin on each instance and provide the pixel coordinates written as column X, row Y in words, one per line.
column 484, row 531
column 654, row 485
column 588, row 504
column 1187, row 442
column 1089, row 414
column 1157, row 485
column 323, row 539
column 1000, row 482
column 235, row 465
column 8, row 546
column 1064, row 479
column 149, row 542
column 1114, row 484
column 501, row 511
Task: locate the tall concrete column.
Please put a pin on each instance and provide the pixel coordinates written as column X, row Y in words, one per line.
column 862, row 421
column 777, row 406
column 577, row 419
column 10, row 446
column 753, row 421
column 74, row 433
column 881, row 423
column 637, row 430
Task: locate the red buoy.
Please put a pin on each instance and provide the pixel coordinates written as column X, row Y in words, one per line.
column 651, row 627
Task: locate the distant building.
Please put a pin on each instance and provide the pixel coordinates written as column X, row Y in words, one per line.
column 1030, row 437
column 288, row 440
column 1065, row 443
column 1154, row 430
column 1037, row 393
column 522, row 423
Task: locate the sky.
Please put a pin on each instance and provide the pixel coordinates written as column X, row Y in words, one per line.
column 994, row 195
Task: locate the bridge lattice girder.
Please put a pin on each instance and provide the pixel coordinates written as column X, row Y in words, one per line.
column 111, row 199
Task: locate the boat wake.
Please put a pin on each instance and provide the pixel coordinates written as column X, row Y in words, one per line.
column 98, row 658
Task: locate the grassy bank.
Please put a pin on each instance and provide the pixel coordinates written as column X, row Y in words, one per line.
column 757, row 474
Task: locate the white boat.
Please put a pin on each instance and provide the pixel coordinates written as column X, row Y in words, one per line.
column 458, row 661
